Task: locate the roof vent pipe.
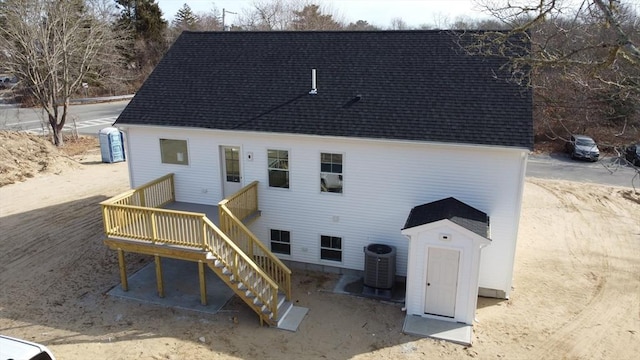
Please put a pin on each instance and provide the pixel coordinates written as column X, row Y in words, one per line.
column 314, row 89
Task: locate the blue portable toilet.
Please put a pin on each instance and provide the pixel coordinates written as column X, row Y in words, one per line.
column 111, row 145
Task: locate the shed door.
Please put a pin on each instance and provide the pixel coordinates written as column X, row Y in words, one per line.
column 442, row 282
column 230, row 170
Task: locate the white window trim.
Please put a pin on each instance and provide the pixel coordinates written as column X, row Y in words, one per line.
column 320, row 247
column 189, row 153
column 280, row 242
column 289, row 169
column 319, row 176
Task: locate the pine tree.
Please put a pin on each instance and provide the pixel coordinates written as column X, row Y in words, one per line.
column 311, row 18
column 185, row 19
column 143, row 19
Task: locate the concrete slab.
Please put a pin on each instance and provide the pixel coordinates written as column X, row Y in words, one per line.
column 438, row 329
column 353, row 284
column 293, row 318
column 181, row 287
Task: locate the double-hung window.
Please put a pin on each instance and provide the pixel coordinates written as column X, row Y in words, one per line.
column 331, row 172
column 278, row 167
column 330, row 248
column 280, row 242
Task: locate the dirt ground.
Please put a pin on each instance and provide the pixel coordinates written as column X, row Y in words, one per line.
column 576, row 286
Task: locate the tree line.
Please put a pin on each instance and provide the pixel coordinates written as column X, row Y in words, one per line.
column 584, row 63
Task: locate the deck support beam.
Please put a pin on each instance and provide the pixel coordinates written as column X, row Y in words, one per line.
column 159, row 281
column 123, row 271
column 203, row 283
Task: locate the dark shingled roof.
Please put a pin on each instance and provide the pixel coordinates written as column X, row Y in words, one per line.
column 452, row 209
column 405, row 85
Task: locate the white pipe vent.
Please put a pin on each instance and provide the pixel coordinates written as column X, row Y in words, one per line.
column 314, row 88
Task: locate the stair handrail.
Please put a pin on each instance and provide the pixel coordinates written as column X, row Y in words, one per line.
column 279, row 272
column 271, row 303
column 284, row 282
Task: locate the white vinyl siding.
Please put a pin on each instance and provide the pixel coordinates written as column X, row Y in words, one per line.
column 385, row 180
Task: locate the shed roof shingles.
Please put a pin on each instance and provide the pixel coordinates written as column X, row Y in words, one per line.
column 414, row 85
column 451, row 209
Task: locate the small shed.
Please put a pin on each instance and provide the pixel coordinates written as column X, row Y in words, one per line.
column 445, row 241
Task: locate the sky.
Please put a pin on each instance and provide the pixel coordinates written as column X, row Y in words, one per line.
column 376, row 12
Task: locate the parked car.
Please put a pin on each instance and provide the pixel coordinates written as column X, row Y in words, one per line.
column 16, row 349
column 7, row 82
column 583, row 147
column 331, row 182
column 632, row 154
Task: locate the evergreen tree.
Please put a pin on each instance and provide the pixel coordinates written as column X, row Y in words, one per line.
column 185, row 19
column 143, row 19
column 311, row 18
column 361, row 25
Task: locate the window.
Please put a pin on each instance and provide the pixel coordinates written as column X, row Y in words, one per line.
column 174, row 152
column 331, row 172
column 330, row 248
column 232, row 164
column 278, row 168
column 280, row 242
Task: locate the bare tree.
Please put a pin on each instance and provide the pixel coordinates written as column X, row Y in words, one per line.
column 211, row 20
column 289, row 15
column 398, row 24
column 267, row 15
column 54, row 47
column 584, row 62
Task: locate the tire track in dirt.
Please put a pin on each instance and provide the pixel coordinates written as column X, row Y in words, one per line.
column 52, row 240
column 598, row 316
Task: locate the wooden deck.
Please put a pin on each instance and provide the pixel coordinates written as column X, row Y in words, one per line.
column 148, row 220
column 211, row 211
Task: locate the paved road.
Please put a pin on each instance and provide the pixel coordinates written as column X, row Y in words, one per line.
column 89, row 118
column 608, row 170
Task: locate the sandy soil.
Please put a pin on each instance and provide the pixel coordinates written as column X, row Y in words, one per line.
column 576, row 288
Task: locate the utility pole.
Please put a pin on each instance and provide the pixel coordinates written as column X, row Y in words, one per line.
column 224, row 12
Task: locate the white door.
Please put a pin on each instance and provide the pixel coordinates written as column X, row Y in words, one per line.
column 230, row 159
column 442, row 282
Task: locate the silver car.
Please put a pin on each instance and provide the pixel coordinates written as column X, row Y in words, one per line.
column 583, row 147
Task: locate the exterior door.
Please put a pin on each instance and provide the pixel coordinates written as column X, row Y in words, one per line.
column 230, row 170
column 442, row 282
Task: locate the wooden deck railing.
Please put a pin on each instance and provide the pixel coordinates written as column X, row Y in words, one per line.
column 231, row 213
column 243, row 268
column 153, row 194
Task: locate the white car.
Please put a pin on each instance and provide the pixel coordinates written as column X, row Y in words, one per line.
column 16, row 349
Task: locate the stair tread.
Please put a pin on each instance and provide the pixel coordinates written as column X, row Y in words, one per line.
column 251, row 298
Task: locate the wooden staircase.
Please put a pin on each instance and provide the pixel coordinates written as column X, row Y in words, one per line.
column 135, row 222
column 244, row 291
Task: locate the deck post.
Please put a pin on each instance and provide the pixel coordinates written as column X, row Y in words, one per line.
column 123, row 271
column 159, row 281
column 203, row 283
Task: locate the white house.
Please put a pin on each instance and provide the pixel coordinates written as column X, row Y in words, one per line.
column 396, row 138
